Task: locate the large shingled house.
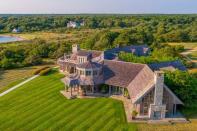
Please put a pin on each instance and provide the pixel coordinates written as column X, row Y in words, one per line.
column 87, row 71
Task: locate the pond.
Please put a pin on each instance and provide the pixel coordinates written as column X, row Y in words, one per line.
column 5, row 39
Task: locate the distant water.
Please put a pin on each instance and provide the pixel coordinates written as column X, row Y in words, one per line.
column 5, row 39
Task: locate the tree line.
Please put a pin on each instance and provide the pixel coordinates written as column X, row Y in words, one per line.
column 29, row 54
column 160, row 28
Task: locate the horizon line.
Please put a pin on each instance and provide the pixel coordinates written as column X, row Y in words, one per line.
column 98, row 13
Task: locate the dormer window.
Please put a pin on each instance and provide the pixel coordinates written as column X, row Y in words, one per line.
column 82, row 59
column 88, row 73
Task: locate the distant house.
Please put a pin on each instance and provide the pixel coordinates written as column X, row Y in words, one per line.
column 86, row 71
column 16, row 30
column 73, row 24
column 139, row 50
column 169, row 65
column 82, row 23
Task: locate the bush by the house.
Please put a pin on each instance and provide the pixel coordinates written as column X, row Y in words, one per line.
column 126, row 93
column 44, row 72
column 134, row 114
column 104, row 88
column 39, row 70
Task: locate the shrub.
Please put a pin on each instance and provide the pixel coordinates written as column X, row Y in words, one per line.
column 44, row 72
column 126, row 93
column 39, row 70
column 67, row 87
column 104, row 88
column 134, row 113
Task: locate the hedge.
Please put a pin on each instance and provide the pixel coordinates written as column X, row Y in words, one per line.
column 36, row 72
column 44, row 72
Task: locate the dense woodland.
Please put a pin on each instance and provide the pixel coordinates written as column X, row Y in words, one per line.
column 110, row 32
column 147, row 28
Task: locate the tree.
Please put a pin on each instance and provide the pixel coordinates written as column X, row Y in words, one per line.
column 182, row 84
column 33, row 60
column 7, row 63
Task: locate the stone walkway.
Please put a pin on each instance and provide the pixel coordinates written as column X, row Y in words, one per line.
column 16, row 86
column 127, row 106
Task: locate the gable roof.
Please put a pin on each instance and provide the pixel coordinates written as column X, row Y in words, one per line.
column 175, row 101
column 169, row 64
column 143, row 82
column 119, row 73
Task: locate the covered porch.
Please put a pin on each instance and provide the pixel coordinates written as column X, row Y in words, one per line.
column 73, row 89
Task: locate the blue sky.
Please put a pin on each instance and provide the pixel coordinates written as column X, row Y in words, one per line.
column 98, row 6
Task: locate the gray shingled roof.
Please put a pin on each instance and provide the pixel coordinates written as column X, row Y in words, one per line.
column 119, row 73
column 142, row 83
column 89, row 65
column 89, row 52
column 139, row 50
column 175, row 64
column 137, row 78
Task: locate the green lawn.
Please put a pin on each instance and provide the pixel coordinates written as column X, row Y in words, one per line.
column 39, row 105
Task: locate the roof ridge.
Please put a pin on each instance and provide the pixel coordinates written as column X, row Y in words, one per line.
column 126, row 62
column 91, row 50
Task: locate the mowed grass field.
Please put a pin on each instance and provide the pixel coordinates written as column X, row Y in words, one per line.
column 38, row 105
column 9, row 78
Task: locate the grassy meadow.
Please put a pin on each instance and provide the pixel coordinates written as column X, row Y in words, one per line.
column 9, row 78
column 187, row 45
column 38, row 105
column 72, row 36
column 190, row 53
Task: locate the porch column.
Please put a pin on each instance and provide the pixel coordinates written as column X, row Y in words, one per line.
column 123, row 91
column 93, row 89
column 174, row 108
column 78, row 89
column 109, row 89
column 119, row 90
column 71, row 90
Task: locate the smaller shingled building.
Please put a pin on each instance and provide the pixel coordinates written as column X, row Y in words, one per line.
column 139, row 50
column 169, row 65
